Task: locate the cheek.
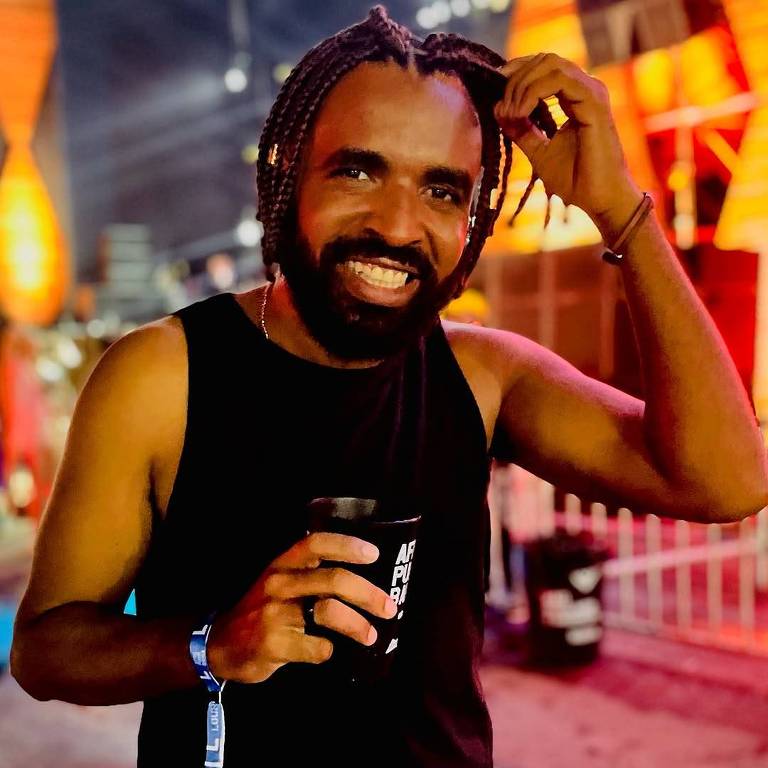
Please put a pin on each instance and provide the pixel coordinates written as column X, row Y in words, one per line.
column 312, row 224
column 320, row 217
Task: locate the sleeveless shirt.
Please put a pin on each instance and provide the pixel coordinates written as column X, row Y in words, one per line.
column 267, row 431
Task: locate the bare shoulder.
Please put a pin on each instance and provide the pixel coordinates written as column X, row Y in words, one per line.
column 491, row 360
column 160, row 343
column 140, row 381
column 503, row 354
column 120, row 454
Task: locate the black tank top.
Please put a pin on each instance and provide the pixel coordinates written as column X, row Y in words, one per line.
column 266, row 432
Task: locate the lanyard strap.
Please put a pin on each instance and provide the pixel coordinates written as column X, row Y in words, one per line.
column 198, row 650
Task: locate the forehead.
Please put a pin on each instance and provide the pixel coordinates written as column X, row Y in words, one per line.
column 402, row 114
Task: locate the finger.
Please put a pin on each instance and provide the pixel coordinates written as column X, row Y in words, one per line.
column 542, row 65
column 529, row 137
column 570, row 91
column 316, row 547
column 516, row 76
column 339, row 617
column 514, row 64
column 330, row 582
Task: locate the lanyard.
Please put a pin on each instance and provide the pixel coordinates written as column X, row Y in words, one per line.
column 214, row 745
column 214, row 726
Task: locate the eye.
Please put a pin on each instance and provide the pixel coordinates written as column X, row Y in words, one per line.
column 445, row 195
column 357, row 174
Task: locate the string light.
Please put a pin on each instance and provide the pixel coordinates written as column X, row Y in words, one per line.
column 461, row 7
column 235, row 80
column 441, row 11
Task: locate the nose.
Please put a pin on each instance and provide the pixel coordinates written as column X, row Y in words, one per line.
column 395, row 216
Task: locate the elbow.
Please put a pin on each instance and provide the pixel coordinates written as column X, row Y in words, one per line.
column 715, row 505
column 757, row 503
column 24, row 668
column 736, row 509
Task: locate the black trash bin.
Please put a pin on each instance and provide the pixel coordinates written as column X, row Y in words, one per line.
column 563, row 580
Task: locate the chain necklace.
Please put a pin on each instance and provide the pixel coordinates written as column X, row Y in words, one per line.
column 264, row 311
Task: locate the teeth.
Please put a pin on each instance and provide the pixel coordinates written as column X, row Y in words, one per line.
column 375, row 275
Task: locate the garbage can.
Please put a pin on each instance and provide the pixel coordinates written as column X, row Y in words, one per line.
column 563, row 581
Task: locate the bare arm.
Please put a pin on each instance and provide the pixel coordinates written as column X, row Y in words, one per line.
column 692, row 449
column 71, row 640
column 697, row 422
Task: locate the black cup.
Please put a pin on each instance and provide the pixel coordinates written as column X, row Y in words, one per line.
column 396, row 540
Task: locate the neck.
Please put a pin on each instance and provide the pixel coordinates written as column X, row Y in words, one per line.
column 287, row 330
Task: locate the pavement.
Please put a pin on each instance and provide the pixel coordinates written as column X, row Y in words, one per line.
column 644, row 703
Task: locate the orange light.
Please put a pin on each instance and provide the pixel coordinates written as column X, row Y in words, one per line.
column 679, row 176
column 703, row 62
column 654, row 81
column 33, row 259
column 542, row 25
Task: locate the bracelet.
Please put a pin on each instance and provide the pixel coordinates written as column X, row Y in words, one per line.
column 613, row 255
column 198, row 650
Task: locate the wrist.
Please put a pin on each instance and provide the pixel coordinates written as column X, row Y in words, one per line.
column 612, row 221
column 198, row 651
column 215, row 652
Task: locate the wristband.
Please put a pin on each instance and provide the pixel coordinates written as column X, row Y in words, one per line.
column 198, row 650
column 613, row 255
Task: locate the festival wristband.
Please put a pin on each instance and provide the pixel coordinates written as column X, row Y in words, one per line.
column 198, row 650
column 214, row 744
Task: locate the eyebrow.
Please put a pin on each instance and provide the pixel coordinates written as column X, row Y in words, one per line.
column 375, row 162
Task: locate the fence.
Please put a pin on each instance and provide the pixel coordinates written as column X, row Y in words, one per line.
column 703, row 583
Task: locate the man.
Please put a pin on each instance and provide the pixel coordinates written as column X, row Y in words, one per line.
column 199, row 438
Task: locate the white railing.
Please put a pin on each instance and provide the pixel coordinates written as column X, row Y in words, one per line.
column 703, row 583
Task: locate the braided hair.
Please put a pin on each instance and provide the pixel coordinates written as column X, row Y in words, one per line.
column 380, row 39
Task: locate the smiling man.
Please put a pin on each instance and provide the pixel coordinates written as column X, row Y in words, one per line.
column 199, row 439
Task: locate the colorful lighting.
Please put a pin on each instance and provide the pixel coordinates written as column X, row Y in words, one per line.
column 33, row 260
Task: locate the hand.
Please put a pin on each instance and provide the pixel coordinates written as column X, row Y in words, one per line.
column 583, row 163
column 265, row 630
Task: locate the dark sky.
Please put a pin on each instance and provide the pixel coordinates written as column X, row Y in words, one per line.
column 151, row 134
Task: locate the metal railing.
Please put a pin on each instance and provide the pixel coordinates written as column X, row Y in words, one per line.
column 702, row 583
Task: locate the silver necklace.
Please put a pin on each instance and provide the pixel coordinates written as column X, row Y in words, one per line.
column 264, row 311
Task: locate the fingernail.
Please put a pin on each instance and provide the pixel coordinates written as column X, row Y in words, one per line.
column 369, row 550
column 372, row 635
column 391, row 607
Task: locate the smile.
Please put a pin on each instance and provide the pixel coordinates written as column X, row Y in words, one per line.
column 378, row 276
column 378, row 284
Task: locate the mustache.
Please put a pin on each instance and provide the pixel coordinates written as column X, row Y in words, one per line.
column 344, row 248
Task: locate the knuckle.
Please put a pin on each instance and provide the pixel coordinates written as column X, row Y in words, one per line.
column 337, row 579
column 321, row 610
column 599, row 85
column 314, row 543
column 320, row 650
column 273, row 584
column 270, row 611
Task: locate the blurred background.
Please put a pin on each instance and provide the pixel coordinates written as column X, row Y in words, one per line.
column 128, row 141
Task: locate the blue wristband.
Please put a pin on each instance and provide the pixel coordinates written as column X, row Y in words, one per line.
column 198, row 647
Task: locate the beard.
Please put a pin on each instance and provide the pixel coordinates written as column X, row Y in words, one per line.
column 352, row 329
